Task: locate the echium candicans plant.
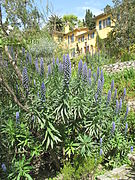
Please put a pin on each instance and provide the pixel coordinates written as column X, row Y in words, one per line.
column 84, row 72
column 25, row 80
column 43, row 91
column 67, row 71
column 42, row 67
column 80, row 65
column 36, row 65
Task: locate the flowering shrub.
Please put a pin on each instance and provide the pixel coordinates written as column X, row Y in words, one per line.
column 67, row 116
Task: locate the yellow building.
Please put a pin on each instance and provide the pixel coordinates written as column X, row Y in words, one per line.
column 80, row 40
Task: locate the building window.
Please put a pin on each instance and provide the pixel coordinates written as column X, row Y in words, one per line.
column 104, row 23
column 82, row 38
column 72, row 38
column 68, row 39
column 100, row 25
column 92, row 36
column 88, row 36
column 108, row 21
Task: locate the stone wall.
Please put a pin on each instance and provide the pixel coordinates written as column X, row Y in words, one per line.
column 120, row 66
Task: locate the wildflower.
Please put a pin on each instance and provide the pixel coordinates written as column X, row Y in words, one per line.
column 100, row 141
column 132, row 149
column 113, row 127
column 17, row 117
column 97, row 72
column 96, row 96
column 43, row 91
column 90, row 81
column 101, row 152
column 25, row 79
column 80, row 67
column 84, row 73
column 41, row 67
column 60, row 67
column 112, row 85
column 108, row 97
column 126, row 127
column 53, row 62
column 36, row 65
column 102, row 78
column 120, row 105
column 30, row 59
column 89, row 73
column 57, row 61
column 23, row 51
column 99, row 88
column 49, row 69
column 67, row 70
column 126, row 113
column 34, row 82
column 27, row 57
column 124, row 94
column 117, row 106
column 4, row 167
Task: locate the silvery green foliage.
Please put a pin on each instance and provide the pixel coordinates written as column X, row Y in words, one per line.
column 43, row 47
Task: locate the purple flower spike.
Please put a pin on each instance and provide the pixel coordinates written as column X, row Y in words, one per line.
column 53, row 62
column 101, row 141
column 36, row 65
column 108, row 97
column 126, row 127
column 117, row 106
column 89, row 73
column 67, row 71
column 99, row 88
column 23, row 51
column 80, row 64
column 25, row 79
column 120, row 105
column 34, row 82
column 3, row 166
column 17, row 116
column 49, row 69
column 57, row 61
column 41, row 67
column 101, row 152
column 90, row 81
column 84, row 73
column 113, row 127
column 30, row 59
column 97, row 72
column 124, row 94
column 102, row 78
column 132, row 149
column 96, row 96
column 126, row 113
column 43, row 91
column 112, row 85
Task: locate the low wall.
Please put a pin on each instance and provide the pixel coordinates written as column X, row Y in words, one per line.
column 120, row 66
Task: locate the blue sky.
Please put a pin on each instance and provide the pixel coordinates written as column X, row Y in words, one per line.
column 77, row 7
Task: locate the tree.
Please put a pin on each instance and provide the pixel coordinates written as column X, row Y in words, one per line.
column 122, row 36
column 55, row 23
column 89, row 20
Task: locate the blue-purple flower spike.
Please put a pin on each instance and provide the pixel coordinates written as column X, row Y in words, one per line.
column 113, row 127
column 41, row 67
column 126, row 127
column 99, row 87
column 89, row 73
column 84, row 73
column 101, row 152
column 57, row 61
column 36, row 65
column 126, row 113
column 124, row 94
column 80, row 64
column 43, row 91
column 132, row 149
column 49, row 69
column 101, row 141
column 3, row 166
column 17, row 117
column 67, row 71
column 89, row 81
column 25, row 79
column 112, row 85
column 115, row 94
column 120, row 105
column 117, row 106
column 102, row 78
column 108, row 97
column 23, row 51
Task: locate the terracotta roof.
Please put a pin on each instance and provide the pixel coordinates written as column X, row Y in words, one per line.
column 77, row 29
column 100, row 15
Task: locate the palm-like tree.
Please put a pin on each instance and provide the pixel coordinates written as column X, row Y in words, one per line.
column 55, row 23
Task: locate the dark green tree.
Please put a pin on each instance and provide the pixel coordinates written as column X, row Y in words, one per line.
column 55, row 23
column 89, row 20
